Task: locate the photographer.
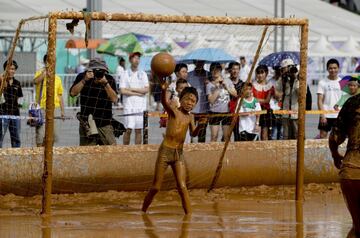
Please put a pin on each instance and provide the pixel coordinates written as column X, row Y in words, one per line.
column 290, row 94
column 97, row 91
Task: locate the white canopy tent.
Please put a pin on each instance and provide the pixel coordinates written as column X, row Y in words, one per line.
column 322, row 47
column 351, row 47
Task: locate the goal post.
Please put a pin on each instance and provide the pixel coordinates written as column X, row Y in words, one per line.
column 53, row 17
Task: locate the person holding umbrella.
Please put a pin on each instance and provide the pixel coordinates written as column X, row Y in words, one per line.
column 350, row 89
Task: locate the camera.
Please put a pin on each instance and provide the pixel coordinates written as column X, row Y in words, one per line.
column 293, row 69
column 99, row 73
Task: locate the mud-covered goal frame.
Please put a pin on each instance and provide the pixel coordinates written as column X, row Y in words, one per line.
column 140, row 17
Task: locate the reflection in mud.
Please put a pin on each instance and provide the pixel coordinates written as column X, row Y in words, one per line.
column 248, row 212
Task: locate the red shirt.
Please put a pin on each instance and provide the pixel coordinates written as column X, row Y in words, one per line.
column 261, row 91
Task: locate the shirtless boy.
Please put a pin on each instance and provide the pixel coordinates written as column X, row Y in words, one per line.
column 171, row 150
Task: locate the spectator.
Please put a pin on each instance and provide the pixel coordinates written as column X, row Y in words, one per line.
column 276, row 104
column 218, row 91
column 82, row 65
column 40, row 81
column 353, row 90
column 134, row 86
column 97, row 93
column 263, row 91
column 199, row 79
column 249, row 124
column 10, row 107
column 244, row 69
column 181, row 72
column 234, row 68
column 329, row 93
column 290, row 95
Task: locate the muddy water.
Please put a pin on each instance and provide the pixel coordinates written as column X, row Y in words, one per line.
column 243, row 212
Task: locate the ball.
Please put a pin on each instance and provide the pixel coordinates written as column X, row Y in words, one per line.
column 163, row 64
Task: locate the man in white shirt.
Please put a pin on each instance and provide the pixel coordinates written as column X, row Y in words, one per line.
column 329, row 93
column 244, row 69
column 134, row 85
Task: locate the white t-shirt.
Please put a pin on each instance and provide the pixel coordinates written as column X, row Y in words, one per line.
column 247, row 123
column 137, row 79
column 332, row 93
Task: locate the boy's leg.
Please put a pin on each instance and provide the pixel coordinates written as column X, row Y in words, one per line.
column 180, row 177
column 160, row 168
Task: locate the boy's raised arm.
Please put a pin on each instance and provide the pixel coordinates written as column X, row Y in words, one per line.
column 164, row 101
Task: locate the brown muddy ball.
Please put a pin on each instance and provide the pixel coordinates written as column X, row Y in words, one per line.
column 163, row 64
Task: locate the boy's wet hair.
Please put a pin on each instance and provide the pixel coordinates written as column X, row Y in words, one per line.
column 190, row 90
column 181, row 81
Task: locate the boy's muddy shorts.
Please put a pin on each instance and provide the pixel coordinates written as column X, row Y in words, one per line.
column 168, row 156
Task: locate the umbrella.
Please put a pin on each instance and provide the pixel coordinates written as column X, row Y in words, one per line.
column 345, row 81
column 208, row 55
column 275, row 59
column 132, row 42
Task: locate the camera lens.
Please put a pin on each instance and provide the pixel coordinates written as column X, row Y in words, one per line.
column 99, row 73
column 293, row 70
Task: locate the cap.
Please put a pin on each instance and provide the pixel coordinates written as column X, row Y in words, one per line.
column 286, row 62
column 84, row 60
column 134, row 53
column 98, row 63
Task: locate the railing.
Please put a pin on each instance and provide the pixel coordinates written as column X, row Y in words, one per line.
column 71, row 102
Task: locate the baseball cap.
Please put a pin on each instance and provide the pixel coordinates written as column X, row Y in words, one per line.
column 134, row 54
column 98, row 63
column 286, row 62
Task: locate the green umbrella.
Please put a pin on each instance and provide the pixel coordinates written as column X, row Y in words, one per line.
column 130, row 43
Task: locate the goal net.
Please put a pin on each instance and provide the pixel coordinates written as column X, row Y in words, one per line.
column 119, row 89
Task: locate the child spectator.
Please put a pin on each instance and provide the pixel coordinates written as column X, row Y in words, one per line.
column 249, row 123
column 263, row 91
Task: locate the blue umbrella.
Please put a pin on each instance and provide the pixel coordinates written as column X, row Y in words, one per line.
column 275, row 59
column 208, row 55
